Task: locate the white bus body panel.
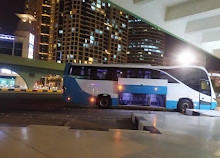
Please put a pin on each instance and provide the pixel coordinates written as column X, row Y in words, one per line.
column 96, row 87
column 137, row 81
column 176, row 91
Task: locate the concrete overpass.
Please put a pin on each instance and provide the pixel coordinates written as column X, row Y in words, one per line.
column 31, row 70
column 194, row 21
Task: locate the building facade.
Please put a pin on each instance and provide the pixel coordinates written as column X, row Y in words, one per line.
column 89, row 31
column 10, row 46
column 146, row 43
column 42, row 10
column 22, row 42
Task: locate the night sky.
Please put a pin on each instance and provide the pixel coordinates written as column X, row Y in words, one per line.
column 9, row 21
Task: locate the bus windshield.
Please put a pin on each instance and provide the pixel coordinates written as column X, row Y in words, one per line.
column 196, row 79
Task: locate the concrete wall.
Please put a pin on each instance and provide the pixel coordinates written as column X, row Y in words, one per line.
column 20, row 81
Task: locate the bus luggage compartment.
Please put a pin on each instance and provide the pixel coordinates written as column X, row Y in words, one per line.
column 147, row 92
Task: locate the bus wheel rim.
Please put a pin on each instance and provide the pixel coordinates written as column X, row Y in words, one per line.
column 185, row 105
column 104, row 102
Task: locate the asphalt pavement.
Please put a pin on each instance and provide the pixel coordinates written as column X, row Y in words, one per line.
column 15, row 101
column 24, row 109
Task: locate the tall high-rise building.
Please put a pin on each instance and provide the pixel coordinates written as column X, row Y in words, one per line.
column 89, row 31
column 42, row 10
column 145, row 42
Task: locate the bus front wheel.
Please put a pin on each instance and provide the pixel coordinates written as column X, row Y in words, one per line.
column 184, row 104
column 104, row 102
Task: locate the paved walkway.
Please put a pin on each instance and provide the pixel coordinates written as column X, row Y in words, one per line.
column 181, row 136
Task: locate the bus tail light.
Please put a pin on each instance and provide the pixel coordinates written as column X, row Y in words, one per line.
column 92, row 100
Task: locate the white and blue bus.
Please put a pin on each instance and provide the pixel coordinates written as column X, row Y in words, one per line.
column 129, row 84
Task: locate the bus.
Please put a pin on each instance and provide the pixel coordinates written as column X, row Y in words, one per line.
column 106, row 85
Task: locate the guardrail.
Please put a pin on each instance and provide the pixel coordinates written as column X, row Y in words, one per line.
column 32, row 90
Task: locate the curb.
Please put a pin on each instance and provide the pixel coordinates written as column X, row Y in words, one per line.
column 142, row 124
column 145, row 108
column 196, row 113
column 32, row 90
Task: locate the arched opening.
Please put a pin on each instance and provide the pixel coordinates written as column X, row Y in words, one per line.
column 11, row 80
column 49, row 82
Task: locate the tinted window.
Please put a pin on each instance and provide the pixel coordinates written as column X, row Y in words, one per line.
column 105, row 73
column 205, row 87
column 118, row 73
column 80, row 72
column 134, row 73
column 100, row 73
column 165, row 76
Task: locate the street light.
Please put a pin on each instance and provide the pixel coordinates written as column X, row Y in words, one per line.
column 186, row 58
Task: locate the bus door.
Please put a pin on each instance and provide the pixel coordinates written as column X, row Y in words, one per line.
column 205, row 95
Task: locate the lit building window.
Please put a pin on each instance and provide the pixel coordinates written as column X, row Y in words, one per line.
column 93, row 8
column 98, row 5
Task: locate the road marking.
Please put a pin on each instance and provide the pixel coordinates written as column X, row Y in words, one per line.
column 17, row 90
column 4, row 89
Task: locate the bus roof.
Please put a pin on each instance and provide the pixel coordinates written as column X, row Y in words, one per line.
column 138, row 66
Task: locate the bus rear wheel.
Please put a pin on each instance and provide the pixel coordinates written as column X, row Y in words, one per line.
column 104, row 102
column 183, row 105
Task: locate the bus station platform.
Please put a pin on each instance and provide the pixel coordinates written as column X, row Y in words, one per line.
column 179, row 136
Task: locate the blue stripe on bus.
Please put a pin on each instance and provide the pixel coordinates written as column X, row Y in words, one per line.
column 213, row 105
column 171, row 104
column 196, row 105
column 141, row 89
column 205, row 107
column 114, row 101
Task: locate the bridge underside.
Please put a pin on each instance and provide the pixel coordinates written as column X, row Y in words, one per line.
column 195, row 21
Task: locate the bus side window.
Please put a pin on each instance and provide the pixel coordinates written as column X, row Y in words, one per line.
column 128, row 74
column 139, row 74
column 133, row 73
column 147, row 74
column 70, row 71
column 155, row 74
column 165, row 76
column 100, row 73
column 75, row 71
column 88, row 73
column 116, row 73
column 203, row 75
